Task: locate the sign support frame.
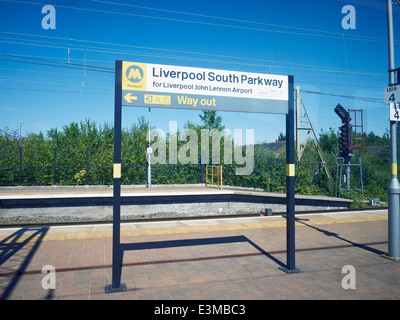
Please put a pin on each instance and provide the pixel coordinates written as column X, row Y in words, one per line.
column 290, row 186
column 116, row 285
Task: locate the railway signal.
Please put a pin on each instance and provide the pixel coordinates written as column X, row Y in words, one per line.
column 345, row 132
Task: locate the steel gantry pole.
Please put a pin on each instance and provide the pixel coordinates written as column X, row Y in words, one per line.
column 394, row 186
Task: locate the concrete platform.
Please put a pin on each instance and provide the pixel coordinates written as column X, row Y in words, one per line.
column 213, row 259
column 49, row 192
column 88, row 203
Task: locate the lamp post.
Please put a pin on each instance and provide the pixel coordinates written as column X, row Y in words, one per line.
column 148, row 158
column 20, row 128
column 394, row 186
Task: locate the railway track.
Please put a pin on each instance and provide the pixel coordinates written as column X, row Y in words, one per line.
column 172, row 218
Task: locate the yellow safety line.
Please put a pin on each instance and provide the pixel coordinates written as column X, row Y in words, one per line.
column 193, row 229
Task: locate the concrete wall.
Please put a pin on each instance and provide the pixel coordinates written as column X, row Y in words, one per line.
column 234, row 202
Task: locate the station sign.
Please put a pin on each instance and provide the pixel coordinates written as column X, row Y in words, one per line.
column 164, row 86
column 177, row 87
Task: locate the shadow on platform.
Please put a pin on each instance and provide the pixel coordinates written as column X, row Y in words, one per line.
column 17, row 250
column 195, row 242
column 337, row 236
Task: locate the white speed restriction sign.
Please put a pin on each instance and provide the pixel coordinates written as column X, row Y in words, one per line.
column 394, row 112
column 391, row 94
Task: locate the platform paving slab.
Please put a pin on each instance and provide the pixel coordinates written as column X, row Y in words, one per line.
column 219, row 259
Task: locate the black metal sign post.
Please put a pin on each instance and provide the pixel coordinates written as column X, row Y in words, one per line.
column 290, row 184
column 116, row 285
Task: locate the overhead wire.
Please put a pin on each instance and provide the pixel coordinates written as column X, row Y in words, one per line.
column 341, row 36
column 54, row 83
column 368, row 99
column 168, row 50
column 266, row 63
column 214, row 17
column 53, row 63
column 55, row 73
column 46, row 58
column 240, row 20
column 333, row 35
column 57, row 91
column 85, row 67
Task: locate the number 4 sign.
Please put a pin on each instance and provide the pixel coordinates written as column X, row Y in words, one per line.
column 391, row 94
column 394, row 112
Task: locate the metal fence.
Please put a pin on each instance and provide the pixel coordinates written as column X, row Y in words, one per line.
column 26, row 166
column 76, row 166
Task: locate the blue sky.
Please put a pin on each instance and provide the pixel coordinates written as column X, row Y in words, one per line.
column 74, row 80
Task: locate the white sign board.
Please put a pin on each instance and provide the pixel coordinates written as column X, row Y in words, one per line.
column 394, row 112
column 391, row 94
column 165, row 86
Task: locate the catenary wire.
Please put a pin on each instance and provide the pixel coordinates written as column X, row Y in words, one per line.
column 238, row 20
column 335, row 36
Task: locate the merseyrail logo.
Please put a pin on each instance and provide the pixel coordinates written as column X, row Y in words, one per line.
column 134, row 76
column 134, row 73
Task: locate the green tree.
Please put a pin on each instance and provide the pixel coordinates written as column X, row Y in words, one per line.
column 329, row 142
column 210, row 120
column 10, row 143
column 281, row 137
column 85, row 145
column 374, row 140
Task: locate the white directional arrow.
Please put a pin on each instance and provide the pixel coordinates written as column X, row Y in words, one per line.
column 128, row 97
